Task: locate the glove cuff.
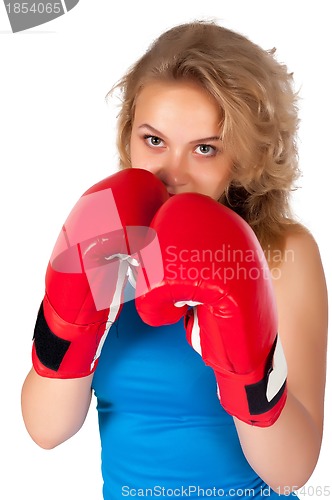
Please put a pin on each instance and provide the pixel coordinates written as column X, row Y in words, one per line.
column 258, row 397
column 71, row 352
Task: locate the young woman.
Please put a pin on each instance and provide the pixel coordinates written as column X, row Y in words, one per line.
column 210, row 113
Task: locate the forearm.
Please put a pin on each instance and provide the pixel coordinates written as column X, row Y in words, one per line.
column 285, row 454
column 54, row 409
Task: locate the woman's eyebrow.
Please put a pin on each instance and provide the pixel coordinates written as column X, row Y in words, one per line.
column 154, row 130
column 207, row 139
column 158, row 133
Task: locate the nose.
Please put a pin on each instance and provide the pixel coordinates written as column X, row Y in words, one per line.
column 173, row 171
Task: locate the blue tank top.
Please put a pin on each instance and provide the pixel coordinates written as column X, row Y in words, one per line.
column 163, row 431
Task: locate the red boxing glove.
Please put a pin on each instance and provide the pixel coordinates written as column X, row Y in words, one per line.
column 97, row 251
column 213, row 262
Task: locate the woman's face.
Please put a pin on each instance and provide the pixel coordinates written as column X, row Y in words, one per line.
column 175, row 136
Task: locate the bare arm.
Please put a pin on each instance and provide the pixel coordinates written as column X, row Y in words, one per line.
column 54, row 409
column 285, row 454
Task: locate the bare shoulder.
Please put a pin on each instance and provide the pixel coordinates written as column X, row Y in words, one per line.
column 299, row 282
column 299, row 258
column 301, row 294
column 299, row 279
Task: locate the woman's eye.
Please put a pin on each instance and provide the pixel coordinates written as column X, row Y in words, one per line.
column 153, row 140
column 206, row 150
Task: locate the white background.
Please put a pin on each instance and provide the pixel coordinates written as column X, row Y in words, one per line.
column 57, row 138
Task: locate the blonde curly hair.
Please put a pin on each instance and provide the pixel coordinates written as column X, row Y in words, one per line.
column 259, row 115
